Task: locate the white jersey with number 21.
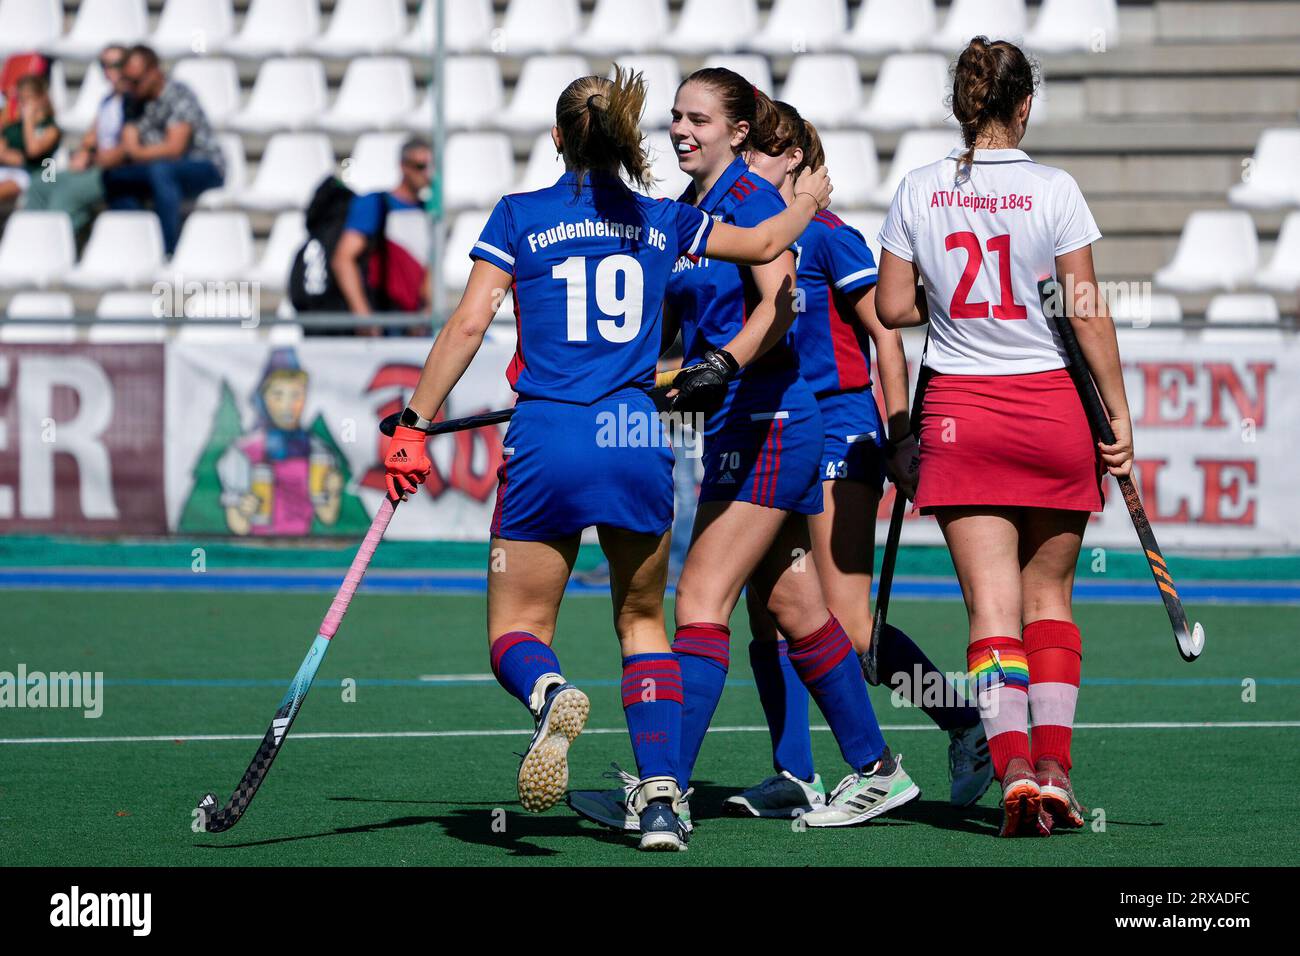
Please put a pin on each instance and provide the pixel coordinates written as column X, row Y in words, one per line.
column 981, row 242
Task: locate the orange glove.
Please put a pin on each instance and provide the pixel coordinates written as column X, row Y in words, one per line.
column 405, row 462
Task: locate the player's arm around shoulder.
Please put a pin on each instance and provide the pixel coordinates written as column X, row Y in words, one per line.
column 763, row 242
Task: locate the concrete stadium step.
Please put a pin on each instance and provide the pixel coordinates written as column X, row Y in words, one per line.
column 1201, row 96
column 1233, row 19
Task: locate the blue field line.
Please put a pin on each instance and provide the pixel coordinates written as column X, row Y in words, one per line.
column 381, row 582
column 614, row 682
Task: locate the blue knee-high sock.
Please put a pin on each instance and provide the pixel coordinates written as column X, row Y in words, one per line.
column 703, row 651
column 652, row 703
column 904, row 666
column 785, row 704
column 519, row 659
column 830, row 670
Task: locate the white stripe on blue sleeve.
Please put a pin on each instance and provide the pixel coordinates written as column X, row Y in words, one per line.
column 854, row 277
column 493, row 250
column 699, row 234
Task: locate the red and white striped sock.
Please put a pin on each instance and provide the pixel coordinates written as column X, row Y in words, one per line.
column 997, row 668
column 1055, row 653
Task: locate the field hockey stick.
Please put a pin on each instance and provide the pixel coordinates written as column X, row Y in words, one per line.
column 1190, row 643
column 870, row 665
column 663, row 381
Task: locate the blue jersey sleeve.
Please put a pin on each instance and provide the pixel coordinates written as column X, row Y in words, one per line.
column 363, row 214
column 496, row 243
column 757, row 207
column 848, row 261
column 693, row 228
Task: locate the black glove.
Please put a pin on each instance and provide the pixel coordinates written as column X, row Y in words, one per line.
column 703, row 387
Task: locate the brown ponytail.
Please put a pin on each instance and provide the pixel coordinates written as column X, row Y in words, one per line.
column 990, row 81
column 742, row 102
column 599, row 121
column 795, row 132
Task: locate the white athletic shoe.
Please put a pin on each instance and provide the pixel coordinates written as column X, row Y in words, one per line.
column 654, row 800
column 544, row 767
column 969, row 765
column 861, row 796
column 783, row 795
column 614, row 808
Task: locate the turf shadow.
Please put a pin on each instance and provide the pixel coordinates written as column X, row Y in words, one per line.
column 337, row 831
column 477, row 827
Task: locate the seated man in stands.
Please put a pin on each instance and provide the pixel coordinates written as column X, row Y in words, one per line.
column 397, row 276
column 170, row 149
column 80, row 188
column 28, row 142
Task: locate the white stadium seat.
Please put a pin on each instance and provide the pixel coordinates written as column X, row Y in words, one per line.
column 752, row 66
column 801, row 26
column 361, row 27
column 93, row 89
column 213, row 246
column 851, row 159
column 867, row 222
column 1236, row 308
column 662, row 76
column 193, row 27
column 48, row 306
column 101, row 22
column 215, row 81
column 376, row 92
column 1282, row 274
column 478, row 169
column 469, row 25
column 125, row 249
column 544, row 165
column 539, row 26
column 288, row 94
column 619, row 26
column 37, row 249
column 995, row 19
column 292, row 166
column 1274, row 181
column 541, row 81
column 288, row 233
column 374, row 163
column 887, row 26
column 456, row 263
column 29, row 25
column 276, row 28
column 59, row 90
column 825, row 88
column 1217, row 250
column 916, row 148
column 476, row 94
column 40, row 305
column 670, row 180
column 911, row 90
column 236, row 178
column 713, row 26
column 1075, row 26
column 129, row 305
column 1159, row 308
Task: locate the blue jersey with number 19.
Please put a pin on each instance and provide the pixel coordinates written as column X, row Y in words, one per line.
column 590, row 268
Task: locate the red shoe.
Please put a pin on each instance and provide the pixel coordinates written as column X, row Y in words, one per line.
column 1020, row 801
column 1057, row 796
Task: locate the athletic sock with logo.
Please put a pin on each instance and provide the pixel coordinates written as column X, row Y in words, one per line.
column 652, row 704
column 519, row 660
column 703, row 652
column 999, row 675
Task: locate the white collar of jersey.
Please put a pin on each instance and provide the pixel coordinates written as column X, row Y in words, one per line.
column 993, row 155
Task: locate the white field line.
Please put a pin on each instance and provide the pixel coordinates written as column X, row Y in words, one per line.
column 388, row 734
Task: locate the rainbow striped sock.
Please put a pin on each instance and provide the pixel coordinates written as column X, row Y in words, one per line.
column 999, row 674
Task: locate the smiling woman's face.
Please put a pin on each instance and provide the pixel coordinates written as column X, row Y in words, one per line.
column 704, row 140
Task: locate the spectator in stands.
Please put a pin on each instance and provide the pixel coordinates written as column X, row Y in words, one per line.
column 27, row 143
column 80, row 188
column 170, row 149
column 395, row 280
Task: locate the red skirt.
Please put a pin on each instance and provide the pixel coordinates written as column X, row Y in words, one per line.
column 1007, row 441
